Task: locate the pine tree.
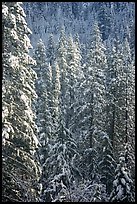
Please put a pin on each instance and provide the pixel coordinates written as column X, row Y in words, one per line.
column 77, row 81
column 96, row 97
column 104, row 19
column 59, row 169
column 48, row 144
column 111, row 93
column 132, row 39
column 43, row 104
column 56, row 92
column 74, row 73
column 107, row 164
column 129, row 70
column 131, row 119
column 62, row 63
column 123, row 184
column 50, row 51
column 118, row 85
column 19, row 132
column 44, row 91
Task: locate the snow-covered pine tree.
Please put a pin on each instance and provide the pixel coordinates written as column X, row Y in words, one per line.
column 51, row 50
column 115, row 95
column 131, row 119
column 118, row 83
column 48, row 144
column 44, row 90
column 123, row 184
column 59, row 169
column 120, row 109
column 56, row 93
column 78, row 102
column 43, row 105
column 129, row 70
column 132, row 39
column 76, row 81
column 62, row 63
column 74, row 73
column 111, row 93
column 87, row 191
column 20, row 171
column 95, row 93
column 107, row 164
column 124, row 57
column 104, row 19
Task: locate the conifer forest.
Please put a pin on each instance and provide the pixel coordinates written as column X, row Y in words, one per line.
column 68, row 102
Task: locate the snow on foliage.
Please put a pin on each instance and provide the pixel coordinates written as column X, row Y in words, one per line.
column 80, row 93
column 122, row 184
column 19, row 129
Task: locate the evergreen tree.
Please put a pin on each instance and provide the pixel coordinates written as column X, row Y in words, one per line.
column 59, row 169
column 118, row 80
column 50, row 51
column 96, row 96
column 19, row 133
column 43, row 105
column 44, row 92
column 56, row 92
column 104, row 19
column 111, row 94
column 62, row 63
column 77, row 83
column 132, row 39
column 107, row 164
column 73, row 76
column 129, row 70
column 123, row 184
column 119, row 85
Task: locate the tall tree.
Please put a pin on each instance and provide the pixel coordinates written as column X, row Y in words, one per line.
column 43, row 89
column 73, row 76
column 76, row 79
column 104, row 19
column 43, row 105
column 62, row 63
column 96, row 95
column 51, row 50
column 129, row 69
column 120, row 69
column 56, row 93
column 111, row 87
column 59, row 169
column 20, row 168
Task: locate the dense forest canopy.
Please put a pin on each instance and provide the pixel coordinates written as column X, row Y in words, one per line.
column 114, row 19
column 68, row 102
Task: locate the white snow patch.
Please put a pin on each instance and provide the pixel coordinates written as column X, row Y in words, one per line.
column 13, row 60
column 126, row 175
column 123, row 181
column 5, row 112
column 120, row 192
column 36, row 140
column 4, row 10
column 115, row 182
